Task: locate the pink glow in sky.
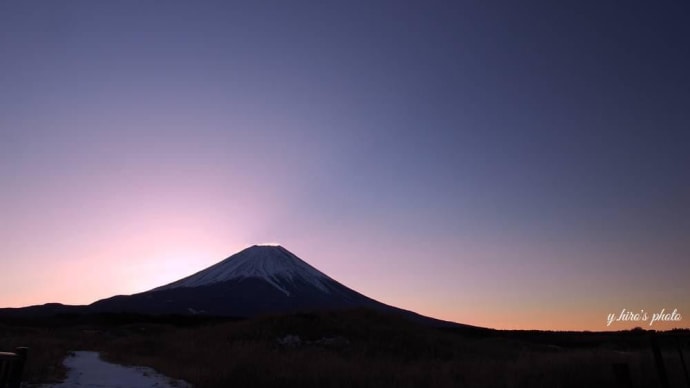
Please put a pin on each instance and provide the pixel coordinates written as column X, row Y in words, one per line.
column 514, row 167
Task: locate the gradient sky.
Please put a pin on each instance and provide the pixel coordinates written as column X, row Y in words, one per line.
column 503, row 164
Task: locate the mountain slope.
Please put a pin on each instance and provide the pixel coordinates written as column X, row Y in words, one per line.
column 256, row 281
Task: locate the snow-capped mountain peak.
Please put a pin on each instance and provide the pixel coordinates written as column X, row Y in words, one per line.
column 272, row 263
column 256, row 281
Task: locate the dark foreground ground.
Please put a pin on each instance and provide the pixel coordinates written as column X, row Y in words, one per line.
column 349, row 349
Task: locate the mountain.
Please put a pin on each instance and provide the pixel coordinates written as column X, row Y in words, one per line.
column 262, row 279
column 259, row 280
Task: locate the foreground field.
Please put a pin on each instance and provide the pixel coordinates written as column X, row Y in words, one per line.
column 347, row 349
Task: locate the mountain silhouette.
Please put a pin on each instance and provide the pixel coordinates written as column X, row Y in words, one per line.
column 259, row 280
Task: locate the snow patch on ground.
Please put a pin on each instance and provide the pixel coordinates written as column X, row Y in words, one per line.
column 86, row 369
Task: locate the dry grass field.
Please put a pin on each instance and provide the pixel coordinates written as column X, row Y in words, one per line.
column 346, row 349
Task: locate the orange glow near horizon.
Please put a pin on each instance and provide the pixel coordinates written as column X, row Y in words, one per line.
column 147, row 260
